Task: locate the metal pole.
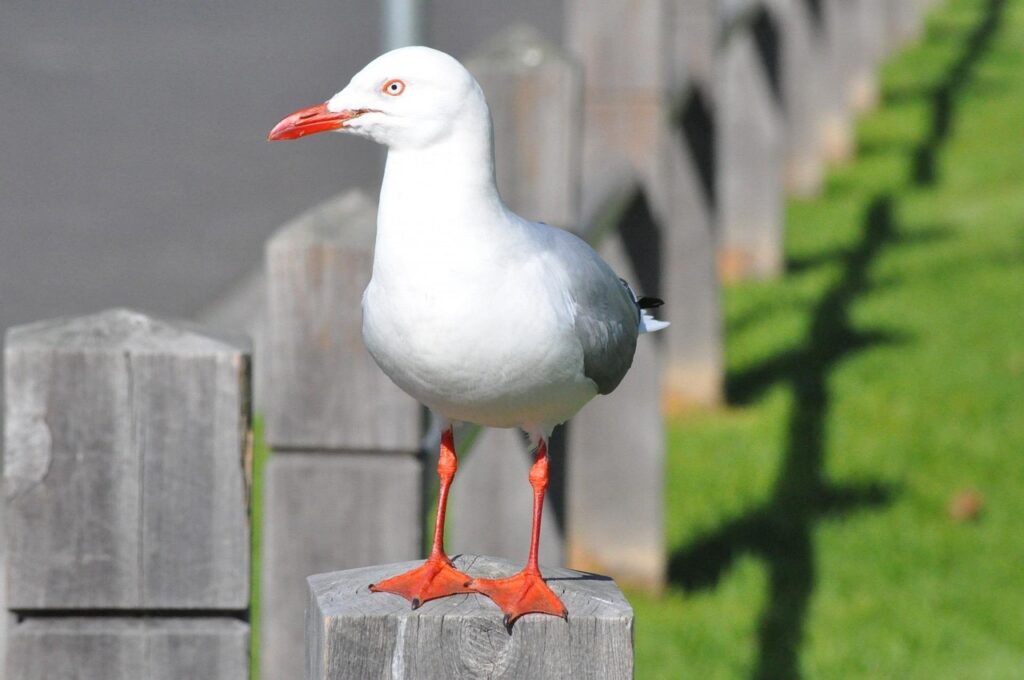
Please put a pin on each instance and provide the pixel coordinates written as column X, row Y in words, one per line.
column 403, row 23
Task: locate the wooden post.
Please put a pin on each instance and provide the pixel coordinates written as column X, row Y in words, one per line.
column 324, row 391
column 692, row 38
column 343, row 487
column 869, row 36
column 904, row 22
column 353, row 633
column 801, row 71
column 855, row 55
column 534, row 91
column 682, row 194
column 750, row 151
column 876, row 27
column 126, row 444
column 647, row 197
column 129, row 648
column 644, row 137
column 327, row 510
column 836, row 123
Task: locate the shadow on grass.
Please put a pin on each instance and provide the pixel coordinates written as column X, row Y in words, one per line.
column 780, row 531
column 944, row 95
column 745, row 387
column 799, row 265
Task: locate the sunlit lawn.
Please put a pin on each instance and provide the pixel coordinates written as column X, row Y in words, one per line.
column 809, row 523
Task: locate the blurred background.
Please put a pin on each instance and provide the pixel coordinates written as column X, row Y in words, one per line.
column 832, row 424
column 136, row 170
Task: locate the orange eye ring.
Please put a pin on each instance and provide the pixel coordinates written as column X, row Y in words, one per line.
column 393, row 87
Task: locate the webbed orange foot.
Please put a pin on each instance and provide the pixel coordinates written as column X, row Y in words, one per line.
column 433, row 579
column 524, row 593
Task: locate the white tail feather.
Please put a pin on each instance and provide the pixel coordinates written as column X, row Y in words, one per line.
column 648, row 324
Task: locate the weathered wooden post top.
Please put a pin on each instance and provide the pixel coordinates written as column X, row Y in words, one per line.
column 125, row 485
column 353, row 633
column 126, row 450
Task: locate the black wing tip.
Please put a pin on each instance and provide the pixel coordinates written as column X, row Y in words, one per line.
column 649, row 302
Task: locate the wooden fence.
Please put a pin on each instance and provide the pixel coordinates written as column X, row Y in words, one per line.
column 666, row 134
column 127, row 532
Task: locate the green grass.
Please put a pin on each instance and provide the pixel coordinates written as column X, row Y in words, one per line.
column 808, row 523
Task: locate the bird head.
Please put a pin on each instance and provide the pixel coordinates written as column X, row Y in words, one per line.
column 411, row 97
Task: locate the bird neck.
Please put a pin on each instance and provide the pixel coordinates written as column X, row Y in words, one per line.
column 450, row 182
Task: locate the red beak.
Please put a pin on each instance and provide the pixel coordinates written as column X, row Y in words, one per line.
column 311, row 121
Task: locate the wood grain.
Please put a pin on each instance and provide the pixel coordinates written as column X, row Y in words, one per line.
column 324, row 511
column 125, row 450
column 75, row 648
column 352, row 633
column 802, row 75
column 750, row 163
column 647, row 67
column 323, row 389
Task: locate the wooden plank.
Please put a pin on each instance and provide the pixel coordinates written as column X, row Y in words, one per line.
column 353, row 633
column 836, row 123
column 865, row 89
column 192, row 423
column 491, row 502
column 876, row 14
column 622, row 47
column 856, row 55
column 802, row 74
column 648, row 141
column 323, row 389
column 128, row 649
column 693, row 35
column 112, row 501
column 325, row 511
column 904, row 22
column 618, row 42
column 71, row 479
column 681, row 189
column 750, row 161
column 686, row 274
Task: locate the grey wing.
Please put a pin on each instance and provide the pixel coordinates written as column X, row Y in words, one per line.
column 606, row 321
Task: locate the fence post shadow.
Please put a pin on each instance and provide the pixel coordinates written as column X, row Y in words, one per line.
column 780, row 530
column 943, row 96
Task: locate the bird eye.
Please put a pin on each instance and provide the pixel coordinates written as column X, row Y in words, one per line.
column 393, row 87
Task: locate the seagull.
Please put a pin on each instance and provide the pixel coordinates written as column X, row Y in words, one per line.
column 480, row 314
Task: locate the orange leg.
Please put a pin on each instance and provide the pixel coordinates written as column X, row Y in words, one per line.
column 436, row 577
column 526, row 592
